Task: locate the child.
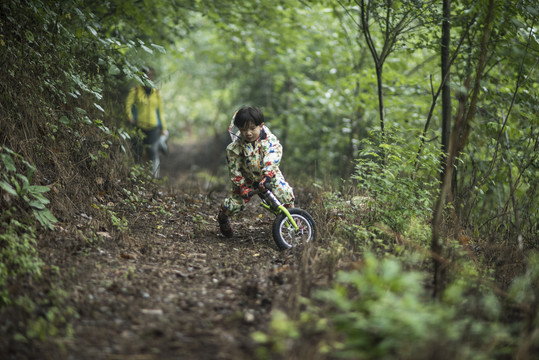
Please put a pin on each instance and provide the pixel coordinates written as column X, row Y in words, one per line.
column 253, row 160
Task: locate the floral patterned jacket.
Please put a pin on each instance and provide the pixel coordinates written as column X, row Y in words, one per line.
column 248, row 163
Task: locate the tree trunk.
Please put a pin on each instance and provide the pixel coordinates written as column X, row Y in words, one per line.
column 457, row 141
column 379, row 79
column 446, row 87
column 439, row 273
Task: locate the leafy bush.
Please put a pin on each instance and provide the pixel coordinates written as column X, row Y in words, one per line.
column 22, row 205
column 18, row 257
column 524, row 295
column 18, row 186
column 391, row 200
column 24, row 208
column 282, row 333
column 386, row 173
column 382, row 311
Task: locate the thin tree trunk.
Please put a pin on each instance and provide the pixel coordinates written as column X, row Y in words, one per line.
column 446, row 88
column 445, row 82
column 379, row 80
column 458, row 139
column 378, row 60
column 437, row 246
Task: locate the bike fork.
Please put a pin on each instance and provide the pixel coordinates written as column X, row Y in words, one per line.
column 290, row 218
column 279, row 208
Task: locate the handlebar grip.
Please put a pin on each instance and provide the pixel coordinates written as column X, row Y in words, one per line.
column 256, row 191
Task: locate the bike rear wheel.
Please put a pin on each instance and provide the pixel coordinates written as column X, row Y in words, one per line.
column 284, row 233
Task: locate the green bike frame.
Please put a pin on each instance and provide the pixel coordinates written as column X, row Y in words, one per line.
column 278, row 208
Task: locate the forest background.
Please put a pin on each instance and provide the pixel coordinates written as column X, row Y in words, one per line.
column 414, row 124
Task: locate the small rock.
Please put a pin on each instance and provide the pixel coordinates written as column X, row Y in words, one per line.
column 157, row 312
column 249, row 317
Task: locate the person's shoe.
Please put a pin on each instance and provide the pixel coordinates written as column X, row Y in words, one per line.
column 224, row 224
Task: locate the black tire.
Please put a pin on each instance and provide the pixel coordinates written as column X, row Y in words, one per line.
column 286, row 236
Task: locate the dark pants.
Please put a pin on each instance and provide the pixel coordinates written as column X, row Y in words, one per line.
column 150, row 145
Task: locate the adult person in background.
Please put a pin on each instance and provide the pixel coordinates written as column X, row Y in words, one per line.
column 144, row 108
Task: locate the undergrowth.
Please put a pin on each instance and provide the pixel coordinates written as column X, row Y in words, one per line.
column 63, row 159
column 377, row 302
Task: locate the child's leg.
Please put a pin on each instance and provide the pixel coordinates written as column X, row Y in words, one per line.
column 232, row 204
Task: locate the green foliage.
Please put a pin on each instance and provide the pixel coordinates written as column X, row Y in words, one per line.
column 386, row 173
column 383, row 311
column 18, row 186
column 48, row 47
column 524, row 292
column 19, row 258
column 22, row 205
column 280, row 338
column 259, row 65
column 55, row 319
column 494, row 176
column 120, row 223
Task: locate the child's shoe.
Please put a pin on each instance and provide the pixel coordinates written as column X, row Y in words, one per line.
column 224, row 224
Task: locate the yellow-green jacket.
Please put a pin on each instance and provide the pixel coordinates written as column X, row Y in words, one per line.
column 145, row 111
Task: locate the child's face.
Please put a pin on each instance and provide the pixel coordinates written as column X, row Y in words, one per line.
column 251, row 132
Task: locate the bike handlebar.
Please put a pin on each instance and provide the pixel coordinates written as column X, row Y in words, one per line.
column 256, row 191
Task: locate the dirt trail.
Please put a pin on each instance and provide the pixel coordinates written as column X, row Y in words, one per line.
column 173, row 287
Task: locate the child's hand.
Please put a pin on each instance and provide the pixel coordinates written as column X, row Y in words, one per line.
column 244, row 192
column 264, row 184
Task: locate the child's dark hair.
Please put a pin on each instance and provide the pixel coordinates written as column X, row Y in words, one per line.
column 148, row 70
column 247, row 115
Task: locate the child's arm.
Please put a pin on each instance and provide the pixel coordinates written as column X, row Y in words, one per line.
column 272, row 158
column 234, row 164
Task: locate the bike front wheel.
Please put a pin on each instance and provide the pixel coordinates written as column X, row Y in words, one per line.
column 286, row 236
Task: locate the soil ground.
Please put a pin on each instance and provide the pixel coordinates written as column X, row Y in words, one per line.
column 172, row 287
